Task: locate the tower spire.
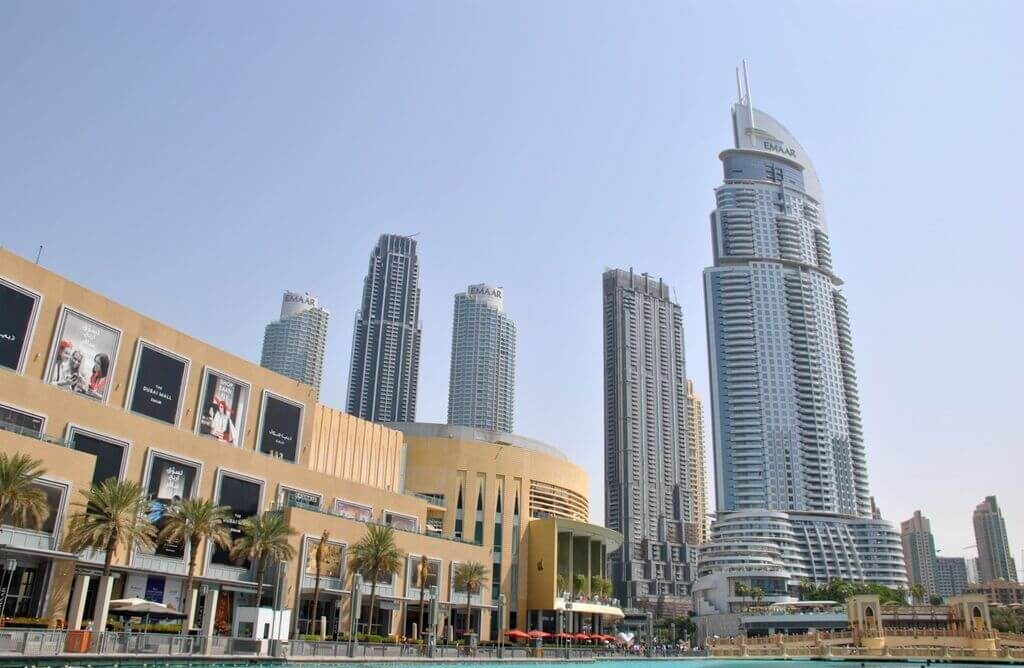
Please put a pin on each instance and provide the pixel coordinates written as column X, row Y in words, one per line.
column 749, row 102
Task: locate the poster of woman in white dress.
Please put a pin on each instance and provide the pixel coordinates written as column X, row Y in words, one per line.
column 222, row 408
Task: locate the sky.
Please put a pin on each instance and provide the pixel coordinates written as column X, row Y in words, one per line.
column 194, row 160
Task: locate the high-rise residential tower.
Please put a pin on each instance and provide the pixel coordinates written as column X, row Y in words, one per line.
column 919, row 552
column 481, row 387
column 648, row 496
column 386, row 338
column 995, row 561
column 951, row 576
column 785, row 413
column 698, row 481
column 295, row 345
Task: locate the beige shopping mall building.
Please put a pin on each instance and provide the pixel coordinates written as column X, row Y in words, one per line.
column 94, row 390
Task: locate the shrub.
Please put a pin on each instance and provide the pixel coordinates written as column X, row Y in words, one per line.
column 27, row 622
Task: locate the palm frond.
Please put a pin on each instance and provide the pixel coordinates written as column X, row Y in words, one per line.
column 376, row 553
column 197, row 520
column 22, row 502
column 114, row 515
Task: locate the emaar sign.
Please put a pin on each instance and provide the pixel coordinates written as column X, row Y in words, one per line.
column 778, row 147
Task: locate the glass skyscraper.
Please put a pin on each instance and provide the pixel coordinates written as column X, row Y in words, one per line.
column 386, row 339
column 295, row 345
column 482, row 384
column 785, row 411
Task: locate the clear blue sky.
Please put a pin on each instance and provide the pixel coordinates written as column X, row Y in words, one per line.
column 194, row 160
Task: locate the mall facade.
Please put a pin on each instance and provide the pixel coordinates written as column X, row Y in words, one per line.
column 94, row 390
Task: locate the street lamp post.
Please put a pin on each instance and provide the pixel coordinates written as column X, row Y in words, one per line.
column 353, row 613
column 501, row 625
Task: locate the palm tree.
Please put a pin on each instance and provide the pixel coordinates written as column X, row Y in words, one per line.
column 742, row 590
column 324, row 554
column 114, row 515
column 422, row 572
column 757, row 594
column 374, row 555
column 472, row 576
column 562, row 583
column 193, row 521
column 264, row 538
column 917, row 593
column 21, row 500
column 580, row 582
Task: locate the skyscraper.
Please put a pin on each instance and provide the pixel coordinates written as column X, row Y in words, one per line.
column 648, row 497
column 785, row 413
column 386, row 338
column 951, row 576
column 295, row 345
column 698, row 481
column 481, row 387
column 919, row 552
column 995, row 561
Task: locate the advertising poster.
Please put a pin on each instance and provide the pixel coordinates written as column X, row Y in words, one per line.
column 83, row 355
column 222, row 408
column 243, row 498
column 281, row 423
column 352, row 511
column 299, row 499
column 169, row 481
column 21, row 422
column 157, row 386
column 17, row 313
column 109, row 454
column 400, row 522
column 332, row 562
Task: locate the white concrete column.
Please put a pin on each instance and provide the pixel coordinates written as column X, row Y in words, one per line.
column 77, row 611
column 210, row 612
column 100, row 612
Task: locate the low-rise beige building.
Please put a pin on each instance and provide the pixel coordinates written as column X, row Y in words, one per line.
column 95, row 390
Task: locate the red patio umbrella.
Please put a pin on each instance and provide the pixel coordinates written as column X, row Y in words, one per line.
column 539, row 634
column 516, row 634
column 580, row 637
column 563, row 636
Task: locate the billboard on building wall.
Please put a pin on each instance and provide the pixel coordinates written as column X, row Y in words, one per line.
column 352, row 511
column 223, row 403
column 83, row 355
column 20, row 421
column 110, row 454
column 17, row 317
column 280, row 426
column 157, row 384
column 243, row 498
column 170, row 481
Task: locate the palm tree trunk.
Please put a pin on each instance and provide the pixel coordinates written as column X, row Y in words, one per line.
column 103, row 600
column 373, row 599
column 419, row 627
column 316, row 594
column 189, row 604
column 261, row 565
column 109, row 556
column 469, row 610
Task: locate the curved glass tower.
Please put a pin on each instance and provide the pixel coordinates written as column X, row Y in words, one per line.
column 786, row 415
column 785, row 412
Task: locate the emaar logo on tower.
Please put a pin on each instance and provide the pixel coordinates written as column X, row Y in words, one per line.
column 778, row 147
